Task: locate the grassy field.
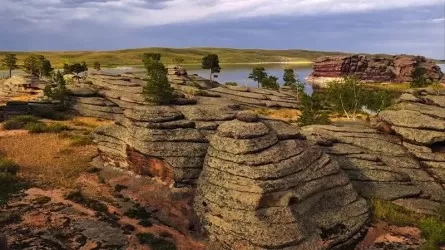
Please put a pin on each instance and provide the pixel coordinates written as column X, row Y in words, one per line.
column 190, row 55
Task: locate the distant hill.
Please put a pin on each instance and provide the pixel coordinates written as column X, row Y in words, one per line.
column 190, row 55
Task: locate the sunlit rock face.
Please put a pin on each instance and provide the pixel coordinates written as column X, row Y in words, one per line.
column 264, row 187
column 372, row 68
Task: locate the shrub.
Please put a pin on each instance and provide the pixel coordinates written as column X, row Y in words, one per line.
column 8, row 167
column 270, row 82
column 312, row 111
column 434, row 232
column 346, row 96
column 36, row 127
column 19, row 122
column 78, row 197
column 231, row 83
column 154, row 242
column 419, row 78
column 158, row 89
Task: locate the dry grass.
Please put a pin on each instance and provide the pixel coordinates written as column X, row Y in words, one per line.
column 90, row 122
column 281, row 114
column 47, row 159
column 399, row 87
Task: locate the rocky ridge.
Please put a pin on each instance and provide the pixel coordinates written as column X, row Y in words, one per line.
column 264, row 187
column 379, row 166
column 374, row 68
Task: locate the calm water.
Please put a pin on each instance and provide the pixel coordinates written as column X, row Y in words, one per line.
column 231, row 73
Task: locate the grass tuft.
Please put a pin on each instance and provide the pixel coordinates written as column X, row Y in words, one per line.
column 78, row 197
column 155, row 243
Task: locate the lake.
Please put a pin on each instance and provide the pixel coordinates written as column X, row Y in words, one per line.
column 231, row 72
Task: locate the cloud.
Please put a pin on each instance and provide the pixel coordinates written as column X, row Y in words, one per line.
column 143, row 13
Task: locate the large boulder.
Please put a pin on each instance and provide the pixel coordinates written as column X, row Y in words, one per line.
column 375, row 69
column 264, row 187
column 380, row 166
column 419, row 119
column 154, row 141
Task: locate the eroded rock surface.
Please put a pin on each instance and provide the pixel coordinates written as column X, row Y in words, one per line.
column 372, row 68
column 264, row 187
column 380, row 166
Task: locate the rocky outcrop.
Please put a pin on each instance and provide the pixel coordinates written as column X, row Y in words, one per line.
column 179, row 76
column 26, row 85
column 380, row 166
column 155, row 141
column 419, row 119
column 375, row 69
column 264, row 187
column 258, row 97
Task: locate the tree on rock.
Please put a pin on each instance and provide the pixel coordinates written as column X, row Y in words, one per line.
column 10, row 62
column 291, row 80
column 258, row 74
column 147, row 58
column 96, row 66
column 158, row 89
column 75, row 68
column 270, row 82
column 419, row 78
column 312, row 110
column 37, row 65
column 57, row 90
column 211, row 62
column 346, row 96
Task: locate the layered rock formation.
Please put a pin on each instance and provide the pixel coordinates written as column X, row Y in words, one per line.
column 264, row 187
column 154, row 141
column 26, row 85
column 380, row 166
column 258, row 97
column 419, row 119
column 374, row 69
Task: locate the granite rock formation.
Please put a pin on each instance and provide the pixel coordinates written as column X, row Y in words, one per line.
column 264, row 187
column 419, row 119
column 155, row 141
column 26, row 85
column 375, row 69
column 379, row 165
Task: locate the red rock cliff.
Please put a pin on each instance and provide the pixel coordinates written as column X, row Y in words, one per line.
column 374, row 68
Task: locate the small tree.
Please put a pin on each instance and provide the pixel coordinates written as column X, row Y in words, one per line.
column 211, row 62
column 147, row 58
column 270, row 82
column 419, row 78
column 10, row 62
column 57, row 90
column 75, row 68
column 158, row 89
column 292, row 80
column 178, row 60
column 96, row 66
column 312, row 110
column 38, row 65
column 346, row 96
column 258, row 74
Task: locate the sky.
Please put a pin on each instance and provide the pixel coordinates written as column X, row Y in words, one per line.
column 366, row 26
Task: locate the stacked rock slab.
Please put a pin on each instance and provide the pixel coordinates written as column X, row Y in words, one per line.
column 178, row 75
column 374, row 69
column 379, row 166
column 264, row 187
column 26, row 85
column 258, row 97
column 419, row 119
column 154, row 141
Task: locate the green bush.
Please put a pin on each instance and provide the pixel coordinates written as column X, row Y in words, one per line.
column 155, row 243
column 8, row 167
column 19, row 122
column 312, row 110
column 231, row 83
column 36, row 127
column 434, row 232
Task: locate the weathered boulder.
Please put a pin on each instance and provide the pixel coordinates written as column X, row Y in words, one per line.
column 154, row 141
column 374, row 69
column 380, row 166
column 23, row 85
column 419, row 119
column 258, row 97
column 264, row 187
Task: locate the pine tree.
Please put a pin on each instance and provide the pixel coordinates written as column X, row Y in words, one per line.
column 258, row 74
column 158, row 89
column 10, row 62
